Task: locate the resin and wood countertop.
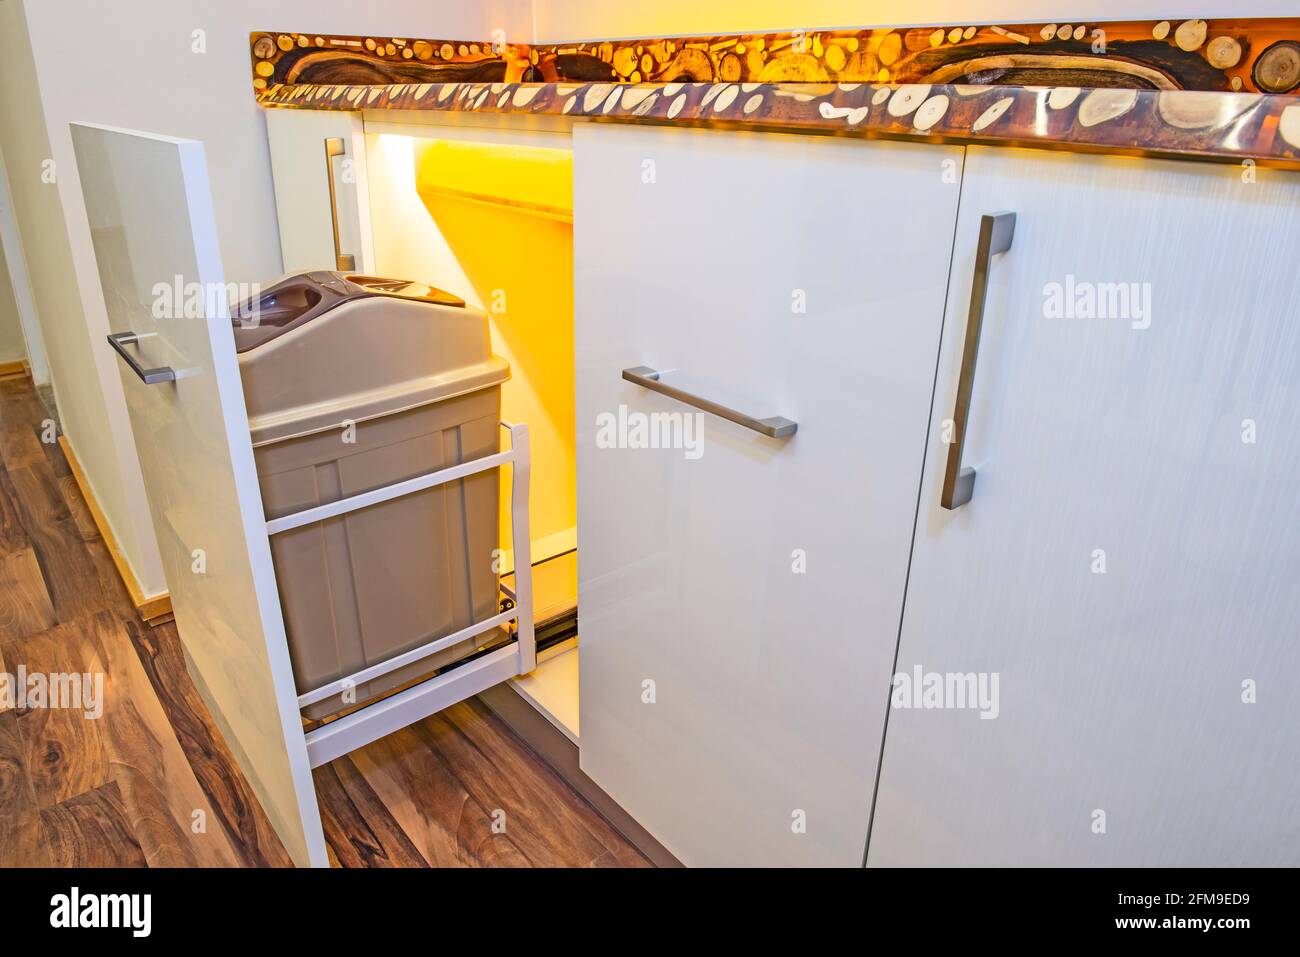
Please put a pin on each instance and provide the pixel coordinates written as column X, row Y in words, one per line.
column 1218, row 90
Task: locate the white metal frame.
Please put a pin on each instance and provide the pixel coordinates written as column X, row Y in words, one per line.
column 397, row 711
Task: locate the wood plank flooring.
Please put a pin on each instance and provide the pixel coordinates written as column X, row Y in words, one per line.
column 150, row 782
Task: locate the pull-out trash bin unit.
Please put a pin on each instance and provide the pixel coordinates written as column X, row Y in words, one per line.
column 354, row 383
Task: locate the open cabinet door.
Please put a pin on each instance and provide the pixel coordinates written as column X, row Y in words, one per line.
column 155, row 237
column 318, row 165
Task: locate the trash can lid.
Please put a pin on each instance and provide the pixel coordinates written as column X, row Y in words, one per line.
column 335, row 348
column 298, row 299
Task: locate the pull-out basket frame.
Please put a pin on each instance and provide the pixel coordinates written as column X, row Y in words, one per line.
column 461, row 681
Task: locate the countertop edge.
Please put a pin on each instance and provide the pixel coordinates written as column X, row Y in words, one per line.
column 1246, row 128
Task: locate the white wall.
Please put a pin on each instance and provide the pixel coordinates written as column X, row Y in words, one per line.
column 133, row 65
column 559, row 20
column 11, row 333
column 11, row 241
column 80, row 390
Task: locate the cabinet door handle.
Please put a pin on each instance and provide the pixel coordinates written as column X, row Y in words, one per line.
column 996, row 230
column 334, row 147
column 120, row 340
column 776, row 427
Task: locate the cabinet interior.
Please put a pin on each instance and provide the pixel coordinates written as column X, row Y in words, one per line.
column 491, row 221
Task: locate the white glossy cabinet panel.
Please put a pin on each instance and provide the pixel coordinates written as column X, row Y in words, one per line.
column 301, row 172
column 754, row 585
column 1129, row 563
column 151, row 219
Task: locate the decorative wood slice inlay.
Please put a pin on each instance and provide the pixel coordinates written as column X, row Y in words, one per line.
column 1223, row 52
column 907, row 98
column 1102, row 105
column 1062, row 97
column 1289, row 126
column 1278, row 68
column 930, row 112
column 992, row 114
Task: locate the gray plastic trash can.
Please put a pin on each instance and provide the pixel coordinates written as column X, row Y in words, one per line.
column 353, row 383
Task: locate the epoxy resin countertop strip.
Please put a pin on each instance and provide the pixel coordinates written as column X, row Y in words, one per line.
column 1110, row 101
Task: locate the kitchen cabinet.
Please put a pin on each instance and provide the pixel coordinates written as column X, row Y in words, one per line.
column 1117, row 578
column 739, row 594
column 318, row 166
column 1126, row 564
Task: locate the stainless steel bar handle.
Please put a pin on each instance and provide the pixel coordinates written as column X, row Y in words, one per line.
column 334, row 147
column 996, row 230
column 120, row 340
column 776, row 427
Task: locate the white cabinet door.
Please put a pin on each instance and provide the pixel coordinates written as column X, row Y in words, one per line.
column 1127, row 564
column 155, row 238
column 739, row 597
column 316, row 155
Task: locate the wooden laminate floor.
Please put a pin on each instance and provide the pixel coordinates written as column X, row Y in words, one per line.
column 150, row 782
